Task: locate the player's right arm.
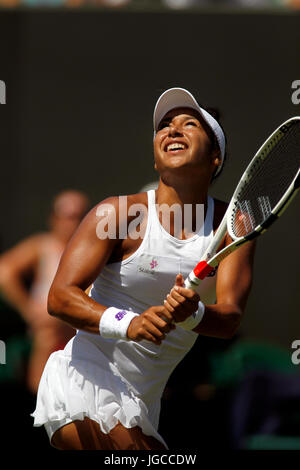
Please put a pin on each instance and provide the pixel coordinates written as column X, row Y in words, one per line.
column 83, row 259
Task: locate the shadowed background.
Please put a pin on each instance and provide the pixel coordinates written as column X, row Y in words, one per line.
column 81, row 87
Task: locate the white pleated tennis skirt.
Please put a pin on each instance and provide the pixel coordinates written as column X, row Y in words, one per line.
column 72, row 388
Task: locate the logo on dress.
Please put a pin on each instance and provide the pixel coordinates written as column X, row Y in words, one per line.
column 148, row 265
column 153, row 263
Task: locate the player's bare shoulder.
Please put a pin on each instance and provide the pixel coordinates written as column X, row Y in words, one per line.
column 115, row 218
column 138, row 198
column 123, row 208
column 128, row 222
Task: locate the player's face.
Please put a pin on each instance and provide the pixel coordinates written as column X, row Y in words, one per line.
column 184, row 141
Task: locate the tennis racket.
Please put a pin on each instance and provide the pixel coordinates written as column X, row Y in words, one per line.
column 265, row 190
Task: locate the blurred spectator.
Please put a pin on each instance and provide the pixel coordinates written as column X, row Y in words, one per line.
column 38, row 257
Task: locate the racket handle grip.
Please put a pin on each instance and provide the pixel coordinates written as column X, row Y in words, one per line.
column 191, row 284
column 197, row 275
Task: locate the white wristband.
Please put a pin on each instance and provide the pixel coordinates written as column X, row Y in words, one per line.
column 114, row 322
column 193, row 320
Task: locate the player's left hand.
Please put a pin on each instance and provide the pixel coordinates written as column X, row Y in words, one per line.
column 181, row 302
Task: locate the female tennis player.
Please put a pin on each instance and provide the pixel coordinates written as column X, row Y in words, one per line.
column 103, row 390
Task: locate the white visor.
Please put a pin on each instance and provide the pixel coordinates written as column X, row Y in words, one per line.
column 181, row 98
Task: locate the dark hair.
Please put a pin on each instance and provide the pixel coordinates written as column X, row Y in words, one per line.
column 217, row 115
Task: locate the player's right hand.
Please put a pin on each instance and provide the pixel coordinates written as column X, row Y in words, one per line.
column 152, row 325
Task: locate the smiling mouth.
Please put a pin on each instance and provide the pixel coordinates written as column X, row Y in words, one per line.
column 175, row 147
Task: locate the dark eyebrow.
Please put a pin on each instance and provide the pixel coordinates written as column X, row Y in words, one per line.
column 169, row 119
column 189, row 118
column 164, row 121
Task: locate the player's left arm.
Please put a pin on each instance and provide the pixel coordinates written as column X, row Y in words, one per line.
column 234, row 280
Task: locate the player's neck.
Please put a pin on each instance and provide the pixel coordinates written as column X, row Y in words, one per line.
column 181, row 194
column 193, row 207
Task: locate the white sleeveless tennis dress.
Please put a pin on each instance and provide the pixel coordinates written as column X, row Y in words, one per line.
column 112, row 380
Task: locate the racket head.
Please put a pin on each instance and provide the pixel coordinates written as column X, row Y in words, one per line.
column 268, row 183
column 247, row 217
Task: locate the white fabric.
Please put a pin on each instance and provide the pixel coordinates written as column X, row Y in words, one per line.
column 193, row 320
column 76, row 381
column 114, row 323
column 79, row 382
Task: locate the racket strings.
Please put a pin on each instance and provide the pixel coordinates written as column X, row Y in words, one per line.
column 269, row 179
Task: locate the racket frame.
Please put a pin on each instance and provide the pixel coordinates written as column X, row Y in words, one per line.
column 211, row 258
